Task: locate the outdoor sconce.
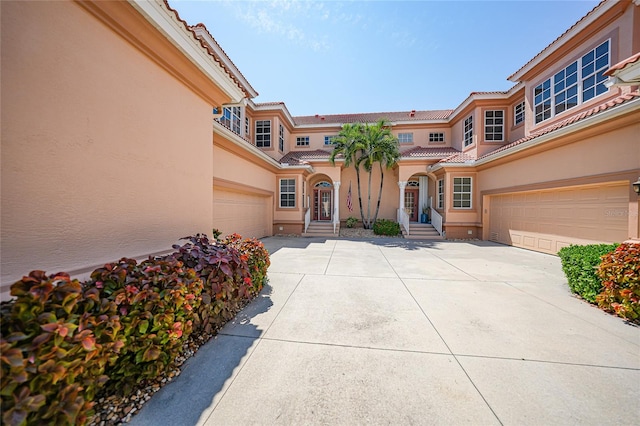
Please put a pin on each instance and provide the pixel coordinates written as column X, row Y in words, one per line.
column 636, row 186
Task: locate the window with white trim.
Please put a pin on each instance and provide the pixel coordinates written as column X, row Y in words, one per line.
column 263, row 133
column 461, row 192
column 281, row 138
column 494, row 125
column 578, row 82
column 441, row 193
column 231, row 118
column 468, row 131
column 302, row 141
column 328, row 140
column 518, row 113
column 436, row 137
column 246, row 127
column 405, row 137
column 287, row 193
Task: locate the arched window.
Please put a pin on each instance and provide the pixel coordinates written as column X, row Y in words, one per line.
column 413, row 183
column 323, row 184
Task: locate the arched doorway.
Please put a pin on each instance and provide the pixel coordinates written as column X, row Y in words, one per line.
column 323, row 201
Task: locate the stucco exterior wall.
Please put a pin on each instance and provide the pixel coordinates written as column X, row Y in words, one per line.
column 390, row 193
column 104, row 154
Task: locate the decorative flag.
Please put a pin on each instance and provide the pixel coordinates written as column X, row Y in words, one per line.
column 349, row 204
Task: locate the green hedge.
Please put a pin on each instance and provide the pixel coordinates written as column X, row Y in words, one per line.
column 386, row 227
column 579, row 264
column 61, row 340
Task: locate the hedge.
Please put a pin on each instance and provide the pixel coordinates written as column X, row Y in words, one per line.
column 62, row 341
column 579, row 264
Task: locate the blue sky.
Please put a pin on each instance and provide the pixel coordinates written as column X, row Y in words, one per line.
column 334, row 57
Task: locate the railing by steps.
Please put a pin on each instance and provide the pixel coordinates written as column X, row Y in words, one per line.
column 307, row 219
column 436, row 221
column 403, row 219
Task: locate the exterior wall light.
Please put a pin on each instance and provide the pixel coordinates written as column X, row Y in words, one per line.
column 636, row 186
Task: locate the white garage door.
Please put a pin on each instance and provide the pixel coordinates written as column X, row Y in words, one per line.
column 239, row 212
column 548, row 220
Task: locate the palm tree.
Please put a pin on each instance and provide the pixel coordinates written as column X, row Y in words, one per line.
column 366, row 145
column 349, row 145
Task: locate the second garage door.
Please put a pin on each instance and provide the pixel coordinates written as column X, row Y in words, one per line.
column 551, row 219
column 247, row 214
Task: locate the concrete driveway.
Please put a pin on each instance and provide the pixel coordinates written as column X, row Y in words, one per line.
column 391, row 331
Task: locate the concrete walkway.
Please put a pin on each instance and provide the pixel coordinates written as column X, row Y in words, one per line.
column 395, row 332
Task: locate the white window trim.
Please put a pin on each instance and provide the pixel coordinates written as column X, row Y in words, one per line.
column 280, row 193
column 329, row 138
column 470, row 193
column 580, row 84
column 522, row 113
column 305, row 139
column 440, row 198
column 406, row 135
column 256, row 134
column 494, row 125
column 281, row 138
column 467, row 133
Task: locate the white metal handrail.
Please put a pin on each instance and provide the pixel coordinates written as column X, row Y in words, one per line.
column 436, row 220
column 307, row 219
column 403, row 219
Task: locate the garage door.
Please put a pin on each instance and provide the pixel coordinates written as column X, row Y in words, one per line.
column 548, row 220
column 249, row 215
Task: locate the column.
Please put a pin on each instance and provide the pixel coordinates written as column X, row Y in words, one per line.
column 336, row 202
column 402, row 185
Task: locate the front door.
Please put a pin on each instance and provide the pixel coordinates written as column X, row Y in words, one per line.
column 322, row 204
column 411, row 203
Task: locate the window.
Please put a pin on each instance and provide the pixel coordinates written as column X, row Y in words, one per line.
column 436, row 137
column 246, row 126
column 441, row 194
column 287, row 193
column 328, row 140
column 462, row 193
column 578, row 82
column 281, row 138
column 468, row 131
column 231, row 118
column 493, row 125
column 302, row 141
column 263, row 133
column 405, row 137
column 594, row 64
column 518, row 113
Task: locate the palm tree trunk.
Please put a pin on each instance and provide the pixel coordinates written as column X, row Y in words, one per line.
column 360, row 195
column 379, row 193
column 369, row 224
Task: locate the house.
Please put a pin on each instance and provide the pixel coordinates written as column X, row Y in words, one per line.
column 124, row 128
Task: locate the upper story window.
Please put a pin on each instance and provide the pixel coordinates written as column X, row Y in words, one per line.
column 405, row 137
column 578, row 82
column 441, row 193
column 302, row 141
column 468, row 131
column 263, row 133
column 436, row 137
column 518, row 113
column 462, row 193
column 231, row 118
column 281, row 138
column 287, row 193
column 494, row 125
column 246, row 126
column 328, row 140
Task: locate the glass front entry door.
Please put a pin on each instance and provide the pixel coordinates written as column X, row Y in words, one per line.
column 411, row 204
column 323, row 204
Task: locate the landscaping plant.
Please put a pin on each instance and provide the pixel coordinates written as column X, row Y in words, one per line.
column 579, row 264
column 620, row 273
column 386, row 227
column 351, row 222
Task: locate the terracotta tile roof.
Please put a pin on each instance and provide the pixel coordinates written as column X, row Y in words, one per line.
column 559, row 37
column 269, row 103
column 620, row 65
column 296, row 158
column 422, row 152
column 371, row 117
column 460, row 157
column 624, row 98
column 246, row 88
